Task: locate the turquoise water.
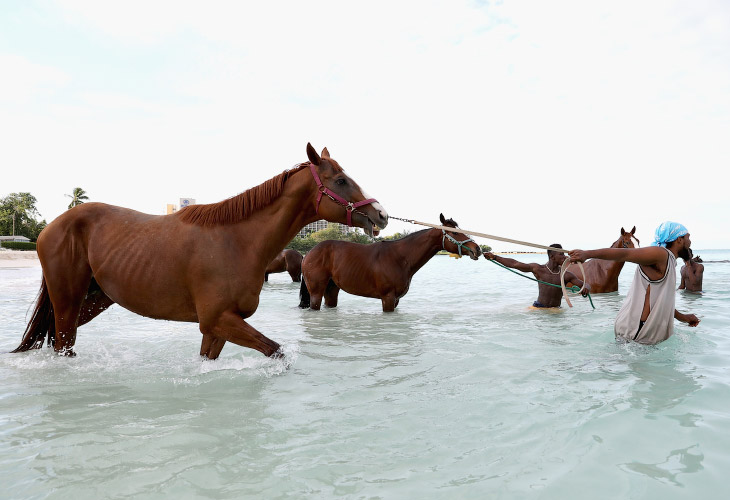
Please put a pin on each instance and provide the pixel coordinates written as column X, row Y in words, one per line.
column 463, row 392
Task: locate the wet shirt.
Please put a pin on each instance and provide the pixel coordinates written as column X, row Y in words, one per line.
column 659, row 325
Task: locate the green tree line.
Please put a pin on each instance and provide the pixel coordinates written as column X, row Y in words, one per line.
column 19, row 216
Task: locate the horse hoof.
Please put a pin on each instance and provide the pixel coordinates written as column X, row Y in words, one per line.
column 68, row 352
column 278, row 354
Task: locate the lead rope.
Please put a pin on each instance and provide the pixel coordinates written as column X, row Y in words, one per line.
column 483, row 235
column 563, row 268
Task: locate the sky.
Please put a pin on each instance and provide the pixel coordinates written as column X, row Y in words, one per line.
column 541, row 121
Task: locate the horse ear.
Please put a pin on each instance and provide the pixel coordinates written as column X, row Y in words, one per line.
column 312, row 155
column 633, row 230
column 443, row 220
column 325, row 153
column 622, row 231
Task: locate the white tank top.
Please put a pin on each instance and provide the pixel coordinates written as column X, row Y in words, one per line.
column 659, row 326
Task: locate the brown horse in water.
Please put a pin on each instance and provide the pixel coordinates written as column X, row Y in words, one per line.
column 602, row 275
column 288, row 260
column 204, row 264
column 381, row 270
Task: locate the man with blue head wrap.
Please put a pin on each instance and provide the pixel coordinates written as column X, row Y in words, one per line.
column 668, row 232
column 647, row 314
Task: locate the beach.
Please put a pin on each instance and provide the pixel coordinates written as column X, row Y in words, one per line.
column 19, row 258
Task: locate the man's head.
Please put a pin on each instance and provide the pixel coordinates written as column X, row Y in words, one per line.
column 667, row 232
column 557, row 257
column 688, row 257
column 673, row 236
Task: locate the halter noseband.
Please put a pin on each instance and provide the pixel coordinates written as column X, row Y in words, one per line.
column 348, row 205
column 459, row 244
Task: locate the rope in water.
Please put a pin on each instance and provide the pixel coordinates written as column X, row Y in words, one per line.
column 563, row 269
column 574, row 288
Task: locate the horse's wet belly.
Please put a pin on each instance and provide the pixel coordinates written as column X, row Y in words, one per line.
column 150, row 303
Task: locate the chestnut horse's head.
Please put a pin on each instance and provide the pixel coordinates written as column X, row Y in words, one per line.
column 460, row 243
column 627, row 239
column 340, row 199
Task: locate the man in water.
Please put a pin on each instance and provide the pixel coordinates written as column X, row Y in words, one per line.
column 548, row 296
column 647, row 314
column 691, row 274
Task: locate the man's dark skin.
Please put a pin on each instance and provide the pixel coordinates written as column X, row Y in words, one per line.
column 691, row 273
column 548, row 296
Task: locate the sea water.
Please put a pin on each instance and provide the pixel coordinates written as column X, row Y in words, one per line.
column 462, row 392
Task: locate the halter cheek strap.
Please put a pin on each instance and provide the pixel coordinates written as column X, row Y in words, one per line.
column 459, row 244
column 348, row 205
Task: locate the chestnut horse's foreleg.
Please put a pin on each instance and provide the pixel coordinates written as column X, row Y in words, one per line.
column 230, row 326
column 211, row 346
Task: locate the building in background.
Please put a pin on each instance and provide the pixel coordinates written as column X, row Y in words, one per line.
column 184, row 202
column 17, row 237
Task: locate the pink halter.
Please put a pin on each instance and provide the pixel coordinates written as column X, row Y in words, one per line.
column 349, row 206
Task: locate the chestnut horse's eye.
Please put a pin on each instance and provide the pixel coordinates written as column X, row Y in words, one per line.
column 340, row 182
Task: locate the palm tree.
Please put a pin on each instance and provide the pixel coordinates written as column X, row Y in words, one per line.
column 77, row 198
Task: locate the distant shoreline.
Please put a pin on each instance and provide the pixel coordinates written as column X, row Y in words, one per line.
column 29, row 258
column 19, row 258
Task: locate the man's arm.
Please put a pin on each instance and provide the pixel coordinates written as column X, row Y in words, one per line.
column 572, row 280
column 681, row 283
column 514, row 264
column 690, row 319
column 647, row 256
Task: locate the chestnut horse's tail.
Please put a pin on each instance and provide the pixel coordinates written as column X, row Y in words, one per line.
column 42, row 322
column 304, row 297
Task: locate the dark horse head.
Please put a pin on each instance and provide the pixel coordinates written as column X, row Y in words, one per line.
column 346, row 202
column 459, row 243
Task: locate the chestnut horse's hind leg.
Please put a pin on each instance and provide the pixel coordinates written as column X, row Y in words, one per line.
column 389, row 302
column 330, row 294
column 295, row 274
column 95, row 303
column 231, row 327
column 316, row 291
column 67, row 290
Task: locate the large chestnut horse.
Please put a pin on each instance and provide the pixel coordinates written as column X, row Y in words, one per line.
column 203, row 264
column 288, row 260
column 381, row 270
column 602, row 275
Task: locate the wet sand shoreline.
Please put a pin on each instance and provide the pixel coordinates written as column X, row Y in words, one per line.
column 19, row 258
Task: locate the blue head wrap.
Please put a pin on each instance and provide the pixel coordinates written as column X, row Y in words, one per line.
column 668, row 232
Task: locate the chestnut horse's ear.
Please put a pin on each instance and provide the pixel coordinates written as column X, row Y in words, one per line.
column 312, row 155
column 325, row 153
column 633, row 230
column 443, row 221
column 622, row 231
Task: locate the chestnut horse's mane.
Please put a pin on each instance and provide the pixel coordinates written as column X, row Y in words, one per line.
column 241, row 206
